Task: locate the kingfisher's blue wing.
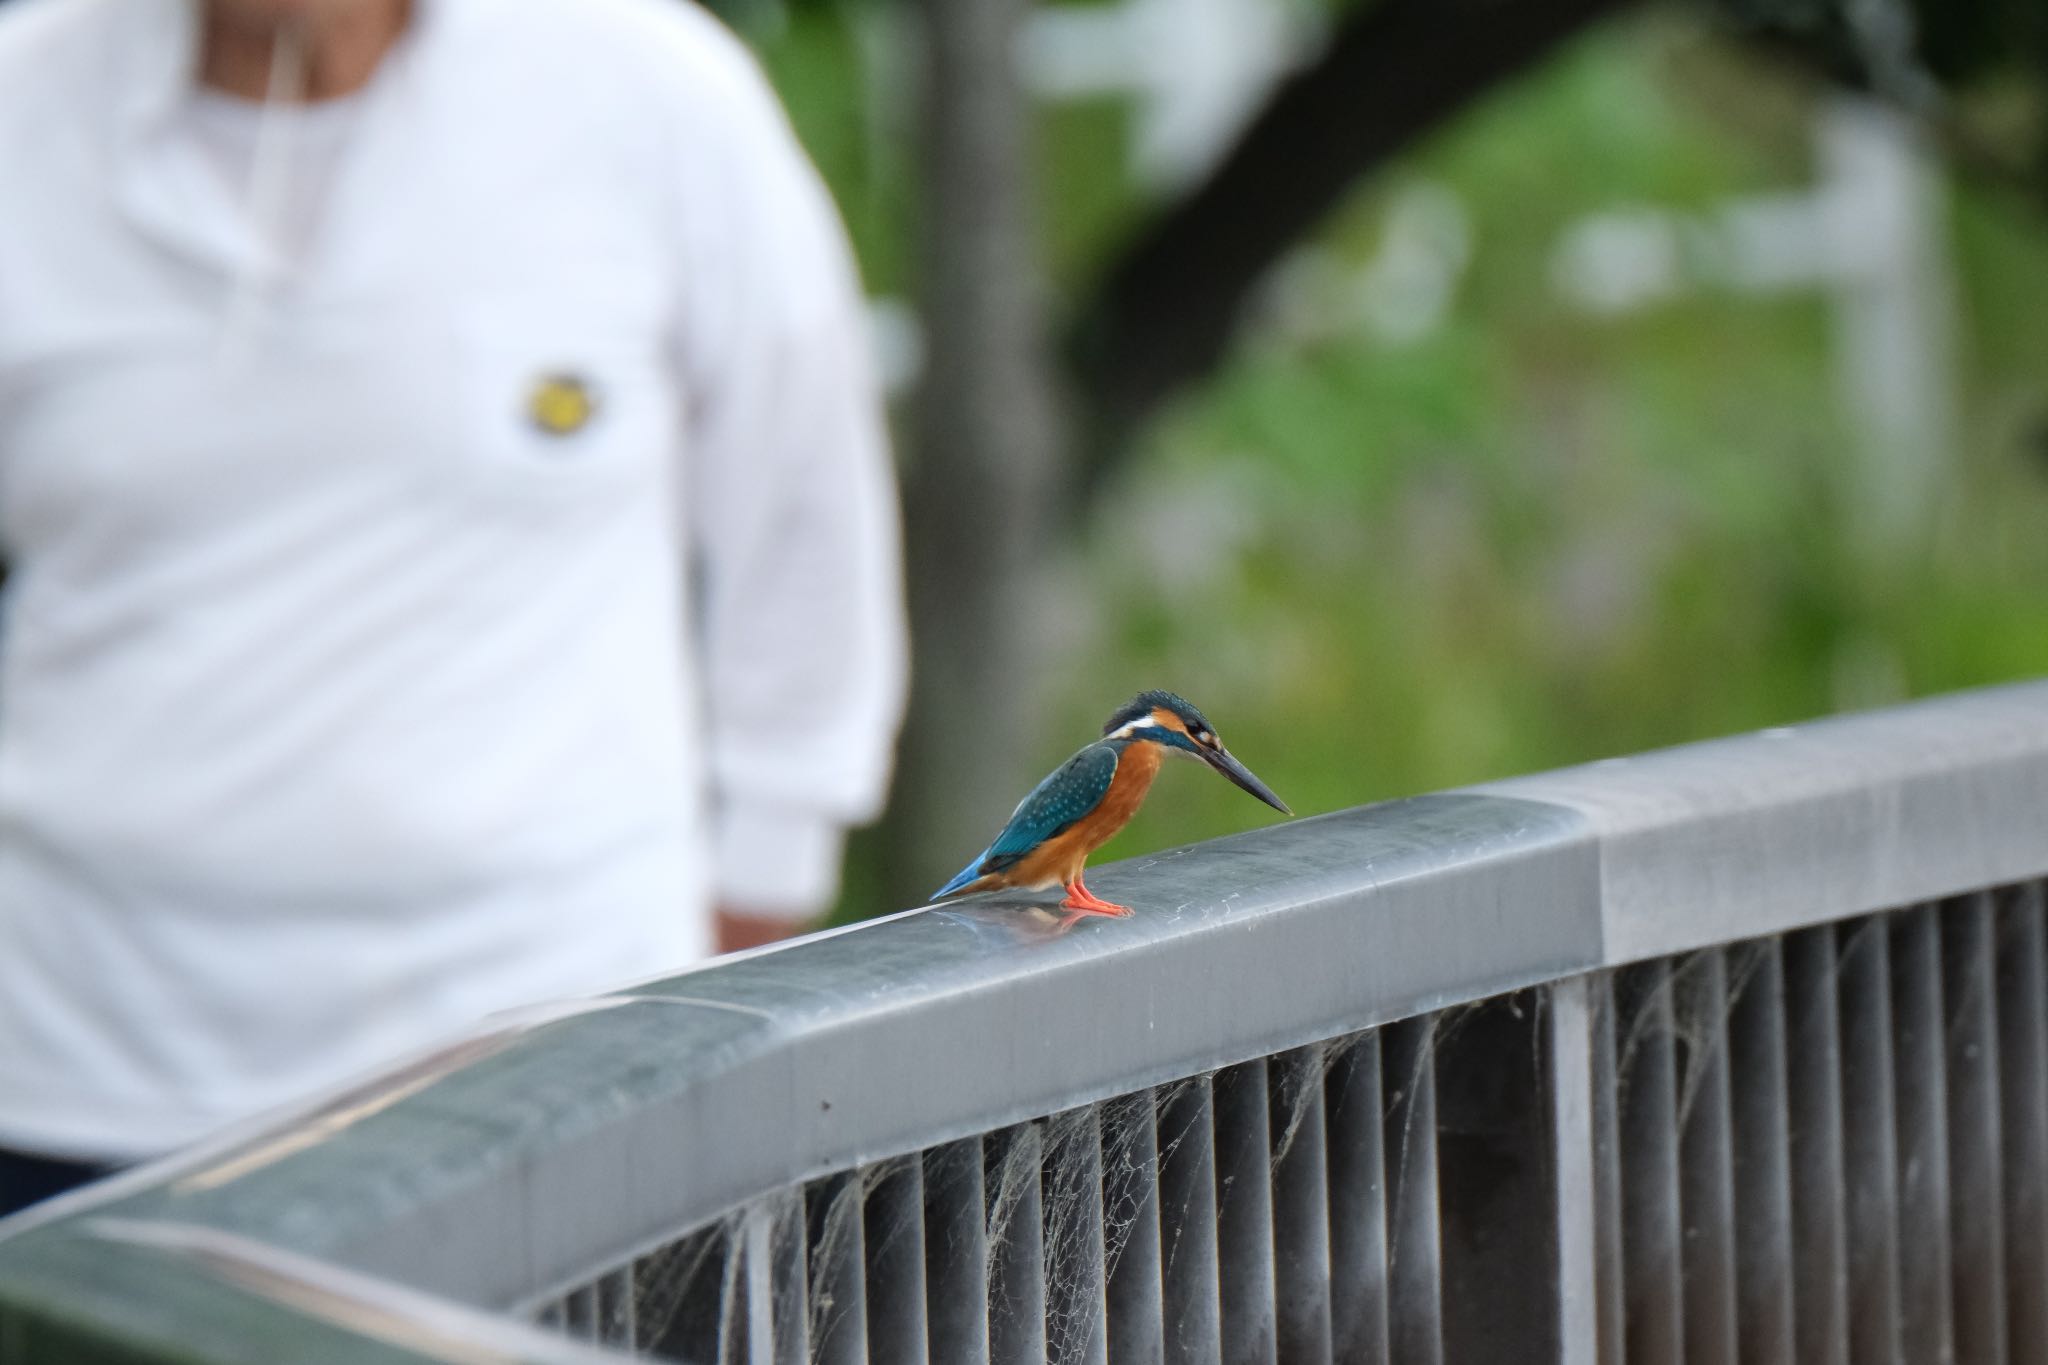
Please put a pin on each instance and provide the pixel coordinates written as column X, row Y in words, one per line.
column 1068, row 793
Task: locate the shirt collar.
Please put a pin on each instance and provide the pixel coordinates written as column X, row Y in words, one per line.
column 157, row 56
column 160, row 184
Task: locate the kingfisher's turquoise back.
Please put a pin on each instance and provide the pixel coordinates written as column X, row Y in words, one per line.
column 1067, row 794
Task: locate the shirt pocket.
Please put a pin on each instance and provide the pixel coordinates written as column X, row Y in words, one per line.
column 559, row 403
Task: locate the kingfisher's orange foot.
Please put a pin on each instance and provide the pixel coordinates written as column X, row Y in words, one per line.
column 1082, row 901
column 1073, row 917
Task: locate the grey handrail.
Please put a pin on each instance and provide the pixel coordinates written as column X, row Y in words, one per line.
column 563, row 1142
column 1761, row 833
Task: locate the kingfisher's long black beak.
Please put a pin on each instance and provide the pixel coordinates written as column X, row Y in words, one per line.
column 1220, row 759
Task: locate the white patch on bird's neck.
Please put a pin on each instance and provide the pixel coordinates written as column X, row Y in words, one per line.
column 1141, row 724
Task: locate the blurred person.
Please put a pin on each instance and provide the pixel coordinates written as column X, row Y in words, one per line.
column 450, row 535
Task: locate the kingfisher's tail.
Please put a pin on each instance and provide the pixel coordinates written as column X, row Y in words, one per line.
column 967, row 874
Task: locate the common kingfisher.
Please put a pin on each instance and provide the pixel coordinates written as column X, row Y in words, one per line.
column 1091, row 796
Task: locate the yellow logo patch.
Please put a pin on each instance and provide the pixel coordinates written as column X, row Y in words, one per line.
column 561, row 404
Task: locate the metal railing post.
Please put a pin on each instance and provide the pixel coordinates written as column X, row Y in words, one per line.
column 1570, row 1056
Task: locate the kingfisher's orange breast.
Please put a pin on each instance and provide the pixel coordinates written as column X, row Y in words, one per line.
column 1136, row 766
column 1060, row 857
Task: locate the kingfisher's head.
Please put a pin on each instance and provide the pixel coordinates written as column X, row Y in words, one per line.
column 1172, row 721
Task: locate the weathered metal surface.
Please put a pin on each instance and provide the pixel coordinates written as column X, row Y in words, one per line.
column 2023, row 1115
column 1920, row 1088
column 1301, row 1207
column 1743, row 837
column 1358, row 1204
column 1976, row 1198
column 1076, row 1255
column 682, row 1098
column 1652, row 1227
column 1706, row 1158
column 110, row 1290
column 1773, row 1156
column 1765, row 1298
column 1575, row 1139
column 1244, row 1215
column 894, row 1239
column 1820, row 1198
column 1136, row 1289
column 1870, row 1147
column 957, row 1253
column 1187, row 1219
column 1415, row 1305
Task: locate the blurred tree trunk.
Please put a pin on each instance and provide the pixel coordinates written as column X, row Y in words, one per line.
column 978, row 493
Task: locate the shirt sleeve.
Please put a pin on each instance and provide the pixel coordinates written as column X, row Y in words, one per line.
column 791, row 509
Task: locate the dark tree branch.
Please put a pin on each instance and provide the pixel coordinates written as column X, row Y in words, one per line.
column 1166, row 309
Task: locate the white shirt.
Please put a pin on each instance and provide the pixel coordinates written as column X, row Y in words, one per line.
column 308, row 141
column 341, row 701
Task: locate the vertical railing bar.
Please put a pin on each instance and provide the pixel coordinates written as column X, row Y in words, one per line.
column 1651, row 1222
column 1187, row 1224
column 1762, row 1167
column 590, row 1311
column 956, row 1254
column 732, row 1307
column 1920, row 1086
column 893, row 1234
column 1012, row 1166
column 1820, row 1212
column 2023, row 1114
column 789, row 1275
column 1136, row 1292
column 1496, row 1180
column 683, row 1293
column 1870, row 1142
column 1414, row 1247
column 1706, row 1198
column 1076, row 1271
column 1301, row 1208
column 1610, row 1283
column 1977, row 1202
column 1353, row 1119
column 621, row 1310
column 757, row 1231
column 580, row 1322
column 838, row 1287
column 1244, row 1214
column 1570, row 1041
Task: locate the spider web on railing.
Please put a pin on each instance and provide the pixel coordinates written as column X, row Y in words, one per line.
column 1044, row 1218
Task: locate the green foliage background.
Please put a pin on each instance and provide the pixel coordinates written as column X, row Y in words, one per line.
column 1535, row 536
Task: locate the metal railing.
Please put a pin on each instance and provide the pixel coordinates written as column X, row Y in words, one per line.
column 1736, row 1051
